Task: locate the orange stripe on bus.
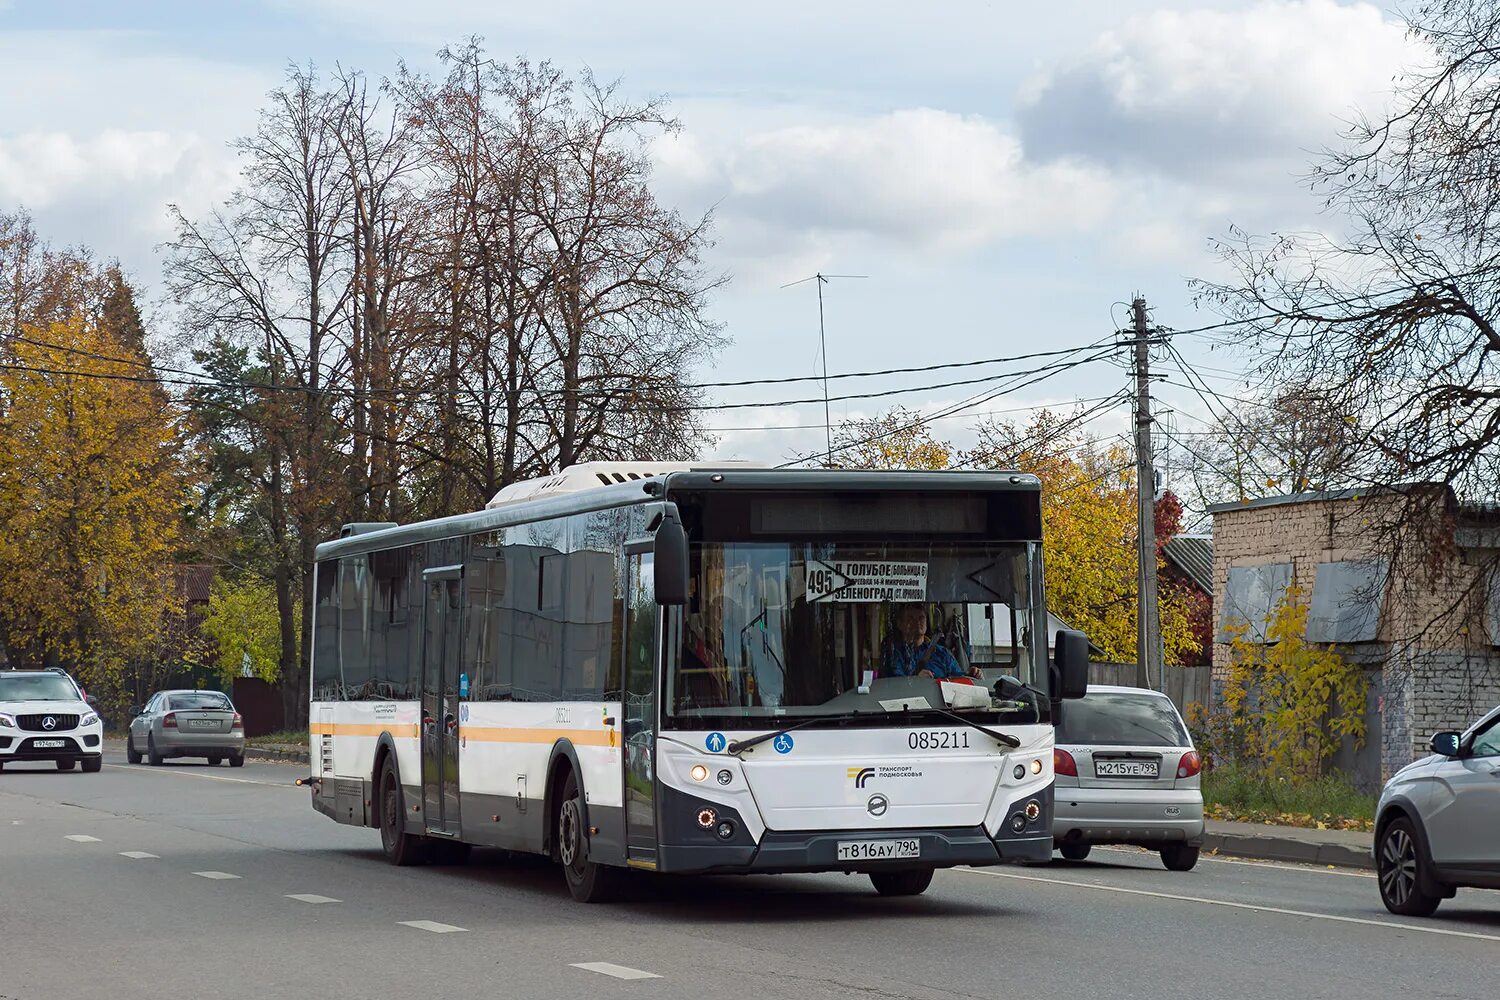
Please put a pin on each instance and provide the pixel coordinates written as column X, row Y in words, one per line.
column 360, row 729
column 509, row 734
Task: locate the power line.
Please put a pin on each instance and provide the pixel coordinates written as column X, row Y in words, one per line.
column 951, row 416
column 978, row 399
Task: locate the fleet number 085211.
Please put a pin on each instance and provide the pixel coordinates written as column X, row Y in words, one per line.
column 923, row 740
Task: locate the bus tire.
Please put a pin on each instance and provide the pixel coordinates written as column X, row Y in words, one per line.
column 587, row 881
column 400, row 848
column 911, row 882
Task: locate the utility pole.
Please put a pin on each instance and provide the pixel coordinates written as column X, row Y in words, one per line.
column 1148, row 621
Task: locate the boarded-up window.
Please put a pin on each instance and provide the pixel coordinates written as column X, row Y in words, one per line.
column 1346, row 601
column 1251, row 594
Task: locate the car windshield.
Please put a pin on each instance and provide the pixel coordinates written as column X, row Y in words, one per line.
column 1121, row 720
column 37, row 687
column 803, row 629
column 200, row 700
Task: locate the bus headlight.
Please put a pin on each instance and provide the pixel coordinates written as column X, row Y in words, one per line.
column 699, row 772
column 1033, row 810
column 1036, row 766
column 707, row 818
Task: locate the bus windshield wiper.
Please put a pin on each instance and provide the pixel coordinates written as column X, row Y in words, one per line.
column 1004, row 739
column 740, row 746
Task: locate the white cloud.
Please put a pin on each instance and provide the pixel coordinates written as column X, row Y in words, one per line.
column 110, row 189
column 1174, row 91
column 928, row 180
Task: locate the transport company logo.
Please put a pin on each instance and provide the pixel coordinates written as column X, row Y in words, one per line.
column 861, row 775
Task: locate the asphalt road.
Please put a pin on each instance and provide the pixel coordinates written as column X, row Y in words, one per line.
column 210, row 907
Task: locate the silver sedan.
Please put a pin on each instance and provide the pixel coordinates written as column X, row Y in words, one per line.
column 1127, row 773
column 187, row 724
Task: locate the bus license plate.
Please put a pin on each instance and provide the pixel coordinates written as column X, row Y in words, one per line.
column 878, row 850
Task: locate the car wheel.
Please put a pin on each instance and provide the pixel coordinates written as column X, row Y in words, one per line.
column 131, row 753
column 1076, row 850
column 152, row 754
column 1180, row 857
column 215, row 761
column 912, row 882
column 65, row 765
column 93, row 765
column 401, row 848
column 1399, row 865
column 238, row 760
column 587, row 881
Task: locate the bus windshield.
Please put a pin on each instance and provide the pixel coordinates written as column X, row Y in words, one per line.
column 800, row 628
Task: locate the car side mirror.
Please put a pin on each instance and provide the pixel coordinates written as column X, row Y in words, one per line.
column 671, row 560
column 135, row 710
column 1072, row 660
column 1447, row 743
column 91, row 701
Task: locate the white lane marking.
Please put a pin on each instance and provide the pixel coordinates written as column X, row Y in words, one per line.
column 1279, row 866
column 618, row 971
column 215, row 875
column 311, row 897
column 1253, row 907
column 139, row 855
column 183, row 773
column 82, row 838
column 431, row 925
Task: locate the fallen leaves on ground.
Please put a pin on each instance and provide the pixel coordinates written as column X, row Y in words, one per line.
column 1304, row 820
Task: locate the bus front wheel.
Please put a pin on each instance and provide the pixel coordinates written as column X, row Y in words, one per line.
column 912, row 882
column 587, row 881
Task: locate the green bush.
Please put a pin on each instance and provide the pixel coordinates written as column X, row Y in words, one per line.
column 1240, row 792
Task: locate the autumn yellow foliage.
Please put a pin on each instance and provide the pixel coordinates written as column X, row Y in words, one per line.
column 91, row 500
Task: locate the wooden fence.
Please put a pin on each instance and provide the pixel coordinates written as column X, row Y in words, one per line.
column 1184, row 685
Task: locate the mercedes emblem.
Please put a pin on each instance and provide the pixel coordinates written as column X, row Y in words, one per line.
column 877, row 805
column 49, row 723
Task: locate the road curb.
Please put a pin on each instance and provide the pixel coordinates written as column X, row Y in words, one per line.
column 1286, row 847
column 267, row 753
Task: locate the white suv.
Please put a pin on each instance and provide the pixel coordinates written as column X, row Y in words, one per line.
column 43, row 717
column 1436, row 822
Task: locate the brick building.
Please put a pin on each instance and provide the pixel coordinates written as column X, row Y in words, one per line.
column 1403, row 582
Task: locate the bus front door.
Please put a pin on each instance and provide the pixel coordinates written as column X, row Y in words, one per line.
column 642, row 645
column 441, row 618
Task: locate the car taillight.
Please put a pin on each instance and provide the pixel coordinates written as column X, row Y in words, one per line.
column 1189, row 765
column 1063, row 763
column 169, row 721
column 238, row 722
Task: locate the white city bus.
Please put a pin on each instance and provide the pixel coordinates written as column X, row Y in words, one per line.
column 684, row 669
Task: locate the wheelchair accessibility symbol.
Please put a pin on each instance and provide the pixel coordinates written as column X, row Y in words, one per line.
column 782, row 743
column 715, row 742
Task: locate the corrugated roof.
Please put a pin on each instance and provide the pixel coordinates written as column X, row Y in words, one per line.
column 194, row 581
column 1194, row 555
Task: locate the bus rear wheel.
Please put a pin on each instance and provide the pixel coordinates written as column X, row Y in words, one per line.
column 912, row 882
column 401, row 848
column 587, row 881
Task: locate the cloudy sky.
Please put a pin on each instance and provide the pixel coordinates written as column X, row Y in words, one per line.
column 1004, row 173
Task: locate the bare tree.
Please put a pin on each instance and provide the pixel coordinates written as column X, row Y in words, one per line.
column 1394, row 321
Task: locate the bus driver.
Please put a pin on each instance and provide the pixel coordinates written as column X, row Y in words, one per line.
column 910, row 653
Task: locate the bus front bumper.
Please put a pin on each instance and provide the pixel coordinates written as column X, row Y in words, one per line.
column 818, row 850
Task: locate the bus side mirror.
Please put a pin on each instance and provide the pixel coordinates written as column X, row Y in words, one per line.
column 1072, row 658
column 671, row 560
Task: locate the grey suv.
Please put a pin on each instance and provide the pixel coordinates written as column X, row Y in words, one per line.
column 1436, row 822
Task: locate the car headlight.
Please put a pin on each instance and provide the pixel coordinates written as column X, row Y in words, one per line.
column 89, row 719
column 7, row 721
